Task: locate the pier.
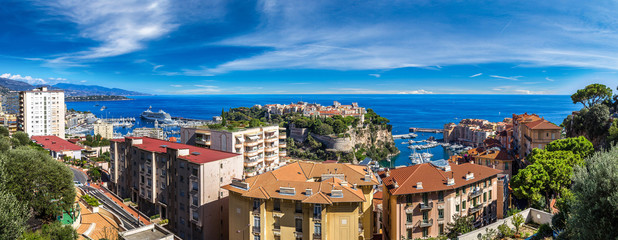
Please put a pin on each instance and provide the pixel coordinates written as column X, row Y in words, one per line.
column 427, row 130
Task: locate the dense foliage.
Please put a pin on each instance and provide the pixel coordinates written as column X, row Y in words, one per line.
column 459, row 225
column 91, row 200
column 594, row 206
column 13, row 216
column 592, row 94
column 52, row 231
column 96, row 141
column 549, row 174
column 594, row 120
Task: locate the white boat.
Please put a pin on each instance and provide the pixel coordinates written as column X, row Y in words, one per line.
column 159, row 116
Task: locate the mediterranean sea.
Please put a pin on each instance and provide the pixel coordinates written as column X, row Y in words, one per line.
column 403, row 111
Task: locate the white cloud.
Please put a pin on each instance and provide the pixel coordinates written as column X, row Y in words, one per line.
column 537, row 34
column 529, row 92
column 176, row 85
column 375, row 75
column 549, row 79
column 420, row 91
column 200, row 89
column 28, row 79
column 513, row 78
column 83, row 81
column 120, row 27
column 476, row 75
column 156, row 67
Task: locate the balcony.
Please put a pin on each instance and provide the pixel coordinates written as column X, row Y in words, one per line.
column 203, row 141
column 426, row 223
column 283, row 144
column 425, row 206
column 252, row 162
column 277, row 231
column 477, row 192
column 253, row 143
column 271, row 148
column 317, row 236
column 281, row 153
column 282, row 136
column 252, row 153
column 270, row 158
column 270, row 139
column 409, row 208
column 475, row 209
column 256, row 229
column 278, row 214
column 238, row 145
column 255, row 211
column 409, row 225
column 298, row 234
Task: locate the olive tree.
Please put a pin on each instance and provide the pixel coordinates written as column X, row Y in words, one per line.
column 592, row 94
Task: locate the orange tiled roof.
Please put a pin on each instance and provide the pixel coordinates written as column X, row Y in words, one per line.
column 542, row 124
column 501, row 155
column 404, row 180
column 308, row 175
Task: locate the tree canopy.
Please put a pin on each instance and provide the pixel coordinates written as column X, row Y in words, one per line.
column 13, row 216
column 578, row 145
column 4, row 131
column 547, row 176
column 594, row 207
column 21, row 138
column 592, row 94
column 34, row 178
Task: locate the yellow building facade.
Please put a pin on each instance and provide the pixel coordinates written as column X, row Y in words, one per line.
column 303, row 201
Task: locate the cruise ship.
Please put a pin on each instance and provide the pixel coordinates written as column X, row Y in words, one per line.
column 160, row 116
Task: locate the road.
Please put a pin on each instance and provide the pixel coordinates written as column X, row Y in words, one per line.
column 79, row 176
column 128, row 220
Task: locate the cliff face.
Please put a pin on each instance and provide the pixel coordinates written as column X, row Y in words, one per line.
column 373, row 141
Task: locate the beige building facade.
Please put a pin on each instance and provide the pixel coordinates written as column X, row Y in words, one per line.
column 303, row 201
column 261, row 147
column 179, row 182
column 420, row 200
column 106, row 130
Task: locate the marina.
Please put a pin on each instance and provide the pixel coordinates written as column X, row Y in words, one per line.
column 427, row 130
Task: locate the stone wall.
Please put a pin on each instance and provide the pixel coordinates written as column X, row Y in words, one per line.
column 530, row 215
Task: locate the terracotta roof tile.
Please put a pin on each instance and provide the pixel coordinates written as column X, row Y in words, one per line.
column 205, row 155
column 56, row 144
column 432, row 178
column 542, row 124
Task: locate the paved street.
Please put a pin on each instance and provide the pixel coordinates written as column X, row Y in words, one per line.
column 128, row 220
column 79, row 176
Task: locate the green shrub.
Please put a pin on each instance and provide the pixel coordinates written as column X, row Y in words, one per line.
column 126, row 199
column 154, row 216
column 91, row 200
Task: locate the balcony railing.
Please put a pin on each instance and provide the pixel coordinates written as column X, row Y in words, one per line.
column 426, row 223
column 317, row 236
column 476, row 208
column 476, row 193
column 277, row 231
column 409, row 208
column 426, row 206
column 256, row 229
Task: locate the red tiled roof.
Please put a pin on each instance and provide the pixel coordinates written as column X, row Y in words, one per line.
column 542, row 124
column 56, row 144
column 205, row 155
column 432, row 178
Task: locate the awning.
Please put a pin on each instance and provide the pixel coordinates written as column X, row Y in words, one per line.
column 240, row 139
column 254, row 138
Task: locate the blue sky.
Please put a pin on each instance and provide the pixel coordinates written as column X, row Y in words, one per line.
column 348, row 47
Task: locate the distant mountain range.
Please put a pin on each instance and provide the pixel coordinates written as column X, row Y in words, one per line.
column 69, row 89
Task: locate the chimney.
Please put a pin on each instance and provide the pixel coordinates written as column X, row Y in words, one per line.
column 419, row 185
column 469, row 176
column 308, row 191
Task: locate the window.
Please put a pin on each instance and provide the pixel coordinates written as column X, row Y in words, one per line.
column 463, row 190
column 195, row 202
column 256, row 221
column 409, row 233
column 506, row 166
column 409, row 217
column 277, row 223
column 441, row 228
column 484, row 197
column 484, row 183
column 490, row 195
column 457, row 208
column 409, row 198
column 440, row 213
column 182, row 193
column 457, row 192
column 256, row 204
column 463, row 205
column 194, row 171
column 182, row 207
column 441, row 196
column 553, row 136
column 317, row 211
column 195, row 215
column 425, row 216
column 425, row 199
column 299, row 225
column 256, row 237
column 299, row 207
column 425, row 232
column 277, row 204
column 317, row 228
column 194, row 186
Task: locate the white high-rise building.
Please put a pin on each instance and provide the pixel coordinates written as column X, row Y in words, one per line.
column 41, row 112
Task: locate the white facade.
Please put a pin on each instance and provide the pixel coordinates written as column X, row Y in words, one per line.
column 42, row 112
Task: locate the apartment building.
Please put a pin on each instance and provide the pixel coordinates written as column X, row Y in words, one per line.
column 496, row 158
column 179, row 182
column 9, row 102
column 9, row 121
column 470, row 132
column 420, row 200
column 261, row 147
column 531, row 131
column 105, row 129
column 41, row 112
column 303, row 201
